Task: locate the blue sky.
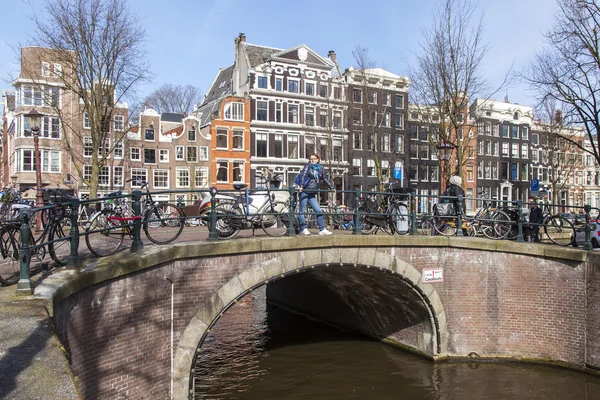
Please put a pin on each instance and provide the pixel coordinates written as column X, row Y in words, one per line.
column 189, row 40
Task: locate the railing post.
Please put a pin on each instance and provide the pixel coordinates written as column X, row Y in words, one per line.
column 212, row 235
column 588, row 237
column 24, row 287
column 520, row 221
column 137, row 244
column 74, row 261
column 357, row 224
column 460, row 216
column 292, row 213
column 412, row 197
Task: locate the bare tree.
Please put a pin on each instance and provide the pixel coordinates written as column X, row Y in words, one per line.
column 568, row 70
column 447, row 75
column 99, row 45
column 174, row 99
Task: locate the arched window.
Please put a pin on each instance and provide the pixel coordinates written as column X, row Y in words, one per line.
column 516, row 115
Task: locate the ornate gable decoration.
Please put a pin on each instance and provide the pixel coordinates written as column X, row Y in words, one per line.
column 303, row 55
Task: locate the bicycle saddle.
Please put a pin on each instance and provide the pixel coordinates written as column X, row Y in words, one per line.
column 240, row 186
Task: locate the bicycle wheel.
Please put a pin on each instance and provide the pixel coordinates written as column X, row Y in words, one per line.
column 399, row 219
column 102, row 236
column 426, row 227
column 162, row 223
column 559, row 230
column 60, row 250
column 495, row 225
column 445, row 226
column 229, row 217
column 276, row 224
column 10, row 240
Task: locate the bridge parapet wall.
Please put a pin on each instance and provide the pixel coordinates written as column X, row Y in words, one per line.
column 497, row 300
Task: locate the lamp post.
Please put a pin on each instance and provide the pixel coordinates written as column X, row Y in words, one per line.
column 445, row 150
column 33, row 119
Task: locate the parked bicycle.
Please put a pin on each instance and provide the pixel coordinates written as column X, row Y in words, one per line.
column 54, row 239
column 260, row 209
column 162, row 223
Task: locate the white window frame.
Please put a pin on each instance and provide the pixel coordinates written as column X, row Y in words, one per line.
column 289, row 80
column 118, row 176
column 234, row 111
column 242, row 168
column 218, row 165
column 133, row 150
column 202, row 175
column 179, row 153
column 136, row 172
column 45, row 69
column 187, row 153
column 203, row 155
column 47, row 158
column 163, row 155
column 165, row 174
column 180, row 173
column 220, row 133
column 119, row 123
column 237, row 133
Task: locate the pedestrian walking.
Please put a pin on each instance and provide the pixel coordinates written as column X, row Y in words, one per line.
column 308, row 182
column 535, row 219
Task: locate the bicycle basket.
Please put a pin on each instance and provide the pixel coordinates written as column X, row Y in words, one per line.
column 444, row 209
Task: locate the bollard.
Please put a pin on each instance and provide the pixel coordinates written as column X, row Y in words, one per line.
column 24, row 287
column 588, row 237
column 459, row 214
column 137, row 244
column 212, row 235
column 292, row 213
column 74, row 261
column 357, row 224
column 520, row 221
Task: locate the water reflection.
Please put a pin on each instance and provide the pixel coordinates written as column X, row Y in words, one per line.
column 258, row 351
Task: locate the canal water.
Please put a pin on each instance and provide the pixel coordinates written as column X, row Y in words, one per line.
column 258, row 351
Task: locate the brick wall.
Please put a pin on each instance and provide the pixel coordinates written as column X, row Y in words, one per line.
column 117, row 336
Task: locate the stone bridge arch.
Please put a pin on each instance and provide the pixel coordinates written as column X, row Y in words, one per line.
column 433, row 342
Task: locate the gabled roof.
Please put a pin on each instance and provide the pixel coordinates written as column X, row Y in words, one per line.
column 206, row 111
column 259, row 54
column 221, row 86
column 178, row 130
column 303, row 54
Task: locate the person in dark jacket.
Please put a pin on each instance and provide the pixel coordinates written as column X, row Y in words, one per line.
column 535, row 218
column 455, row 189
column 309, row 180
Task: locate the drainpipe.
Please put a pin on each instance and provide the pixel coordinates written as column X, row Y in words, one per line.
column 172, row 299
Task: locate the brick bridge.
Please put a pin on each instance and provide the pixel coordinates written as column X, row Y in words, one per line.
column 498, row 299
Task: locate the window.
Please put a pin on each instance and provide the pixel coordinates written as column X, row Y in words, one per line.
column 424, row 172
column 371, row 168
column 50, row 161
column 278, row 146
column 516, row 116
column 238, row 171
column 337, row 150
column 414, row 151
column 524, row 151
column 87, row 172
column 138, row 174
column 222, row 171
column 494, row 169
column 424, row 151
column 504, row 131
column 495, row 148
column 309, row 116
column 435, row 175
column 337, row 93
column 323, row 90
column 534, row 156
column 201, row 177
column 470, row 173
column 261, row 144
column 104, row 148
column 118, row 176
column 399, row 121
column 192, row 154
column 535, row 139
column 514, row 132
column 385, row 122
column 161, row 178
column 293, row 113
column 163, row 155
column 119, row 123
column 309, row 146
column 399, row 146
column 488, row 147
column 86, row 121
column 45, row 69
column 372, row 97
column 57, row 71
column 203, row 153
column 104, row 176
column 323, row 149
column 292, row 146
column 262, row 110
column 234, row 111
column 357, row 95
column 357, row 140
column 515, row 150
column 222, row 137
column 399, row 101
column 309, row 88
column 423, row 134
column 387, row 99
column 385, row 143
column 149, row 156
column 357, row 116
column 52, row 97
column 524, row 132
column 278, row 112
column 238, row 139
column 514, row 171
column 262, row 82
column 371, row 141
column 356, row 166
column 480, row 147
column 118, row 150
column 292, row 85
column 135, row 154
column 323, row 118
column 524, row 174
column 192, row 135
column 179, row 153
column 149, row 135
column 337, row 120
column 505, row 149
column 279, row 84
column 182, row 177
column 373, row 120
column 414, row 132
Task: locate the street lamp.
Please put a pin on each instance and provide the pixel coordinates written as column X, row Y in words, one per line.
column 445, row 151
column 33, row 119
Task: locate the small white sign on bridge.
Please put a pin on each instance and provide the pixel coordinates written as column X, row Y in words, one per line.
column 435, row 275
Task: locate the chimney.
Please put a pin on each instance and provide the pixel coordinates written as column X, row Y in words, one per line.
column 242, row 37
column 331, row 55
column 506, row 99
column 558, row 117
